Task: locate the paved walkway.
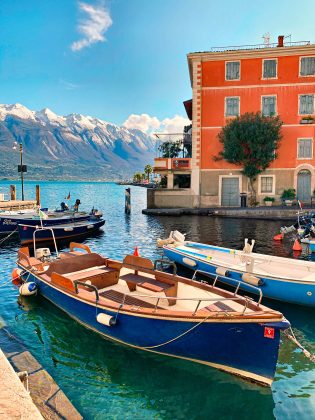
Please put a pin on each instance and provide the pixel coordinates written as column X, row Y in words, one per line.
column 45, row 393
column 15, row 401
column 263, row 212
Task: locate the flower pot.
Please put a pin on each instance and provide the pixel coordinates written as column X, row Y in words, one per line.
column 288, row 202
column 268, row 203
column 306, row 121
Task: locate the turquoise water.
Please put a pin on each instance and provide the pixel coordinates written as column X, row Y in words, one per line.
column 107, row 380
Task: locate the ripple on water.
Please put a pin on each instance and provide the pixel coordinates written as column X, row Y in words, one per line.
column 107, row 380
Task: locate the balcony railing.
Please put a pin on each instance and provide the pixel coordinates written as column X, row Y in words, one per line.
column 171, row 164
column 174, row 145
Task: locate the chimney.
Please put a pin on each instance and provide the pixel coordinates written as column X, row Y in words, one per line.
column 280, row 40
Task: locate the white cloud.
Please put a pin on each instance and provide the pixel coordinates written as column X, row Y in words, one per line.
column 148, row 124
column 93, row 26
column 142, row 122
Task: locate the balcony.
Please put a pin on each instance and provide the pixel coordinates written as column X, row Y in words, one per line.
column 171, row 164
column 173, row 151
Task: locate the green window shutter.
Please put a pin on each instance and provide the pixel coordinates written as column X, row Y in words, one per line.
column 308, row 66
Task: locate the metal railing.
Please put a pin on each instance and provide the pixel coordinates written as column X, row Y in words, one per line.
column 244, row 299
column 258, row 46
column 173, row 145
column 239, row 283
column 89, row 286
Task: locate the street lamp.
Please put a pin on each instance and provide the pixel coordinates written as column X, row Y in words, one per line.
column 21, row 168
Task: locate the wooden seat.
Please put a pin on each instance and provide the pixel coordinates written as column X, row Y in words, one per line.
column 134, row 280
column 219, row 307
column 119, row 297
column 159, row 282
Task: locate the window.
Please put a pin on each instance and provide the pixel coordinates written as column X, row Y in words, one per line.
column 268, row 106
column 232, row 70
column 232, row 106
column 269, row 69
column 181, row 181
column 307, row 67
column 305, row 148
column 266, row 184
column 306, row 104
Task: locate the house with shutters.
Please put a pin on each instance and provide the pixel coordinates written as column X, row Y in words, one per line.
column 274, row 79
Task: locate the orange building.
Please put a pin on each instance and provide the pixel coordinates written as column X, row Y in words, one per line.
column 275, row 80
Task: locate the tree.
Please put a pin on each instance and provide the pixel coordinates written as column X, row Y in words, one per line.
column 171, row 149
column 251, row 141
column 148, row 170
column 137, row 177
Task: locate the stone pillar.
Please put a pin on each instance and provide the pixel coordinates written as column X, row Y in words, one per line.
column 170, row 180
column 12, row 192
column 196, row 131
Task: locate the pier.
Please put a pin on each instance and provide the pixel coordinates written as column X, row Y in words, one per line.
column 44, row 400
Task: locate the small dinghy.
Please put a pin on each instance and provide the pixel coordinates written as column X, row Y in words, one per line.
column 134, row 303
column 279, row 278
column 61, row 232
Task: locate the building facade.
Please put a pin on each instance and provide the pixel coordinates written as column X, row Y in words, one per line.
column 274, row 80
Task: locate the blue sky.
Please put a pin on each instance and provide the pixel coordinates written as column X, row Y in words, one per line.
column 129, row 57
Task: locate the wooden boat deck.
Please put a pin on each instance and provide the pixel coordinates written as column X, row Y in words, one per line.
column 138, row 287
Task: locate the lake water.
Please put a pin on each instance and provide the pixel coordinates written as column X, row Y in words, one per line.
column 107, row 380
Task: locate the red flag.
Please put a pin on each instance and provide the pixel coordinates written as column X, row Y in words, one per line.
column 68, row 198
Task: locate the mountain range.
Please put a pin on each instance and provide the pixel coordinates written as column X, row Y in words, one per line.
column 70, row 147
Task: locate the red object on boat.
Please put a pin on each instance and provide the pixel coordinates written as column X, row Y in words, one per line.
column 16, row 276
column 297, row 246
column 269, row 332
column 136, row 252
column 278, row 237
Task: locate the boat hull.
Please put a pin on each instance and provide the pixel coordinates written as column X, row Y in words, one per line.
column 60, row 233
column 291, row 291
column 240, row 347
column 9, row 224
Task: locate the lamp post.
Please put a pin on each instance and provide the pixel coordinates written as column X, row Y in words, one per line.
column 21, row 168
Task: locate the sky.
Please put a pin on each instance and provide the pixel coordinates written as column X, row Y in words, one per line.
column 124, row 61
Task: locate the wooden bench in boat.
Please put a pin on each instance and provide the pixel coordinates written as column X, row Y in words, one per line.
column 158, row 282
column 91, row 268
column 219, row 307
column 119, row 297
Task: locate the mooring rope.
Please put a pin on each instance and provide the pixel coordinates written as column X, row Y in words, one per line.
column 179, row 336
column 7, row 237
column 291, row 336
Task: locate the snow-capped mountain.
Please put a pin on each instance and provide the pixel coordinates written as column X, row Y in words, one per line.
column 74, row 145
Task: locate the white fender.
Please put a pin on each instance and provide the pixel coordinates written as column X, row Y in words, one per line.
column 105, row 319
column 28, row 289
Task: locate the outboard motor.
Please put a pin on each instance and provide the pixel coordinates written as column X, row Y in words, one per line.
column 76, row 205
column 64, row 206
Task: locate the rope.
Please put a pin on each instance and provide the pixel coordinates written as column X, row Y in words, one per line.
column 292, row 337
column 7, row 237
column 179, row 336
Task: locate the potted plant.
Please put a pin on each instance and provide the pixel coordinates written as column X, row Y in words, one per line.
column 268, row 201
column 288, row 196
column 307, row 120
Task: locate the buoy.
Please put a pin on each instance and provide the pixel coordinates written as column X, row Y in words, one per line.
column 28, row 289
column 278, row 237
column 297, row 246
column 16, row 276
column 136, row 252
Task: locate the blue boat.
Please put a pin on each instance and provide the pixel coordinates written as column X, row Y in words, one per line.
column 61, row 232
column 279, row 278
column 137, row 305
column 10, row 220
